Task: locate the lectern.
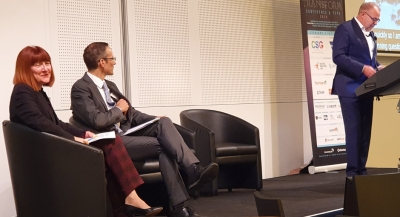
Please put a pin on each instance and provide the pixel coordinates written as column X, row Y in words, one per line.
column 383, row 83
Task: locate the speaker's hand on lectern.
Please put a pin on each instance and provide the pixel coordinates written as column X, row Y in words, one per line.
column 368, row 71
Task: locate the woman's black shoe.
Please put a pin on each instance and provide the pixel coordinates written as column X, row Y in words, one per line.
column 134, row 211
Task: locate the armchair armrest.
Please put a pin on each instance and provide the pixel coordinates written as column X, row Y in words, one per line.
column 205, row 140
column 188, row 136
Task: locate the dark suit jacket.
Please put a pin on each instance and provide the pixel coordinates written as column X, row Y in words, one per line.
column 350, row 54
column 89, row 107
column 33, row 109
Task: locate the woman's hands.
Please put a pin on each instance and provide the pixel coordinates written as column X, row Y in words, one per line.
column 81, row 140
column 87, row 135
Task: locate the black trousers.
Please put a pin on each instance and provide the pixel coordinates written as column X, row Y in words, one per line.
column 162, row 140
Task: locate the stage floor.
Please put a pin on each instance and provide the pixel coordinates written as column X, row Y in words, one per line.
column 301, row 195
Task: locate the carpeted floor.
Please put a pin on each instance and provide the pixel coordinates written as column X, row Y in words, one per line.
column 301, row 195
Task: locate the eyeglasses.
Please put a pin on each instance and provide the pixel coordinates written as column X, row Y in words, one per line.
column 109, row 58
column 373, row 18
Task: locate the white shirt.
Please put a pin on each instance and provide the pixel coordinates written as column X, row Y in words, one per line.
column 99, row 83
column 370, row 40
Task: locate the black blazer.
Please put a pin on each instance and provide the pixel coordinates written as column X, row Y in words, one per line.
column 33, row 109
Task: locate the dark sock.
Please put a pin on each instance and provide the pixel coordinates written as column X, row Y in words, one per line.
column 178, row 206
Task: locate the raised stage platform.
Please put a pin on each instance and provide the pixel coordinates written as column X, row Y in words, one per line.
column 319, row 195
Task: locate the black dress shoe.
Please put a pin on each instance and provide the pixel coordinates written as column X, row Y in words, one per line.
column 134, row 211
column 187, row 211
column 202, row 175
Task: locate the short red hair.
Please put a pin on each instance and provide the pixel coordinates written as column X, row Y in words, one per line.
column 27, row 57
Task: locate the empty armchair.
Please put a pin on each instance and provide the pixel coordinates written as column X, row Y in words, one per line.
column 229, row 141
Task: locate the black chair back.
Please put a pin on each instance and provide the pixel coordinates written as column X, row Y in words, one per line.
column 268, row 207
column 53, row 176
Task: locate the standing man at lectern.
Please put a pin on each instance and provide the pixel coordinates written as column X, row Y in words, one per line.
column 354, row 53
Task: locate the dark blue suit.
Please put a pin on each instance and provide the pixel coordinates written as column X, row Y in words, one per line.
column 350, row 54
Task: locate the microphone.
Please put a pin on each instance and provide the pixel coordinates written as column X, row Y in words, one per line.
column 373, row 36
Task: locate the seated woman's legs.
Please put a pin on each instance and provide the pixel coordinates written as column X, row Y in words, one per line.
column 122, row 177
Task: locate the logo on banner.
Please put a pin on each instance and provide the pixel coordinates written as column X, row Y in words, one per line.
column 328, row 152
column 317, row 44
column 341, row 150
column 320, row 66
column 334, row 130
column 320, row 82
column 319, row 117
column 320, row 106
column 328, row 139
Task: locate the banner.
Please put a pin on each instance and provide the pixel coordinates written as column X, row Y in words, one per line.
column 319, row 19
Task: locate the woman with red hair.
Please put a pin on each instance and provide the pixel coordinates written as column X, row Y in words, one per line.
column 30, row 106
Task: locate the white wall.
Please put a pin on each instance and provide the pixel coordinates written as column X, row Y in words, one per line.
column 22, row 25
column 284, row 128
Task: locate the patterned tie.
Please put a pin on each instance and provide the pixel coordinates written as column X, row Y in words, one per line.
column 109, row 100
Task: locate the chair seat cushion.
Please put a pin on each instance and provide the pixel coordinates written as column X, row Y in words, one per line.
column 147, row 166
column 231, row 149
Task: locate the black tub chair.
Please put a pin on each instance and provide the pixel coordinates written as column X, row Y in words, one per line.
column 53, row 176
column 229, row 141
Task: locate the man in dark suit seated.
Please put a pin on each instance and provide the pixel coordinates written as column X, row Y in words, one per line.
column 354, row 53
column 99, row 104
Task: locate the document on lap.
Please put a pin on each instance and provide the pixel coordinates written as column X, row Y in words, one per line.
column 134, row 129
column 106, row 135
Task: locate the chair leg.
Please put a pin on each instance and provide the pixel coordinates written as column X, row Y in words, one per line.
column 196, row 194
column 229, row 189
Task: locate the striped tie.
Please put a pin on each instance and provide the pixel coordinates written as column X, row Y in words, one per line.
column 109, row 100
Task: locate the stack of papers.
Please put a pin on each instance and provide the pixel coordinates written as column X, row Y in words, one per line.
column 106, row 135
column 134, row 129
